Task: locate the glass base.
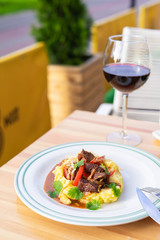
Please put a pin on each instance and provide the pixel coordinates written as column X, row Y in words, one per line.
column 129, row 139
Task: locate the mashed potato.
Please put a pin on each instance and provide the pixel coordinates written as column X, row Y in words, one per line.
column 106, row 195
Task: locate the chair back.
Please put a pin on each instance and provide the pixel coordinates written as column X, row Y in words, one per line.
column 149, row 15
column 109, row 26
column 144, row 103
column 106, row 27
column 24, row 108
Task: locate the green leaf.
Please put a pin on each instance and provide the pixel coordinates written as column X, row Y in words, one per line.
column 52, row 194
column 93, row 205
column 72, row 40
column 57, row 186
column 75, row 193
column 105, row 168
column 116, row 190
column 80, row 163
column 112, row 184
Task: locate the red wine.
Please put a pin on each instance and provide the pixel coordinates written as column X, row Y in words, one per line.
column 126, row 77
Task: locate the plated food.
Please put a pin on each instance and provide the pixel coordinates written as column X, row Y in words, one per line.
column 85, row 180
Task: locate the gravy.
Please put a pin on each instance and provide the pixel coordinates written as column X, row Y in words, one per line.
column 48, row 186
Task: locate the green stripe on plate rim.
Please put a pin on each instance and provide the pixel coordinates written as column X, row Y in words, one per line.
column 128, row 217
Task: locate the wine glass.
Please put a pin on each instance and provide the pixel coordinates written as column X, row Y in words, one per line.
column 126, row 66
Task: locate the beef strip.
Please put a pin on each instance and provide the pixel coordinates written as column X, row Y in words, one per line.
column 99, row 175
column 97, row 178
column 90, row 166
column 85, row 185
column 87, row 155
column 105, row 183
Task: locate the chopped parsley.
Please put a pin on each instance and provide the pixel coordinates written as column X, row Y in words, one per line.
column 52, row 194
column 57, row 186
column 75, row 193
column 93, row 205
column 80, row 163
column 116, row 190
column 105, row 168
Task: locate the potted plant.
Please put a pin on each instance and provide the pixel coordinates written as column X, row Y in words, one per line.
column 74, row 77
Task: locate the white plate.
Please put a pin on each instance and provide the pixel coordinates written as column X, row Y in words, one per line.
column 138, row 168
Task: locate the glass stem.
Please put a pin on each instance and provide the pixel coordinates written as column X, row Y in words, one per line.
column 124, row 115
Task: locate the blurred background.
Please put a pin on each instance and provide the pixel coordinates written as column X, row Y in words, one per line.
column 16, row 18
column 51, row 63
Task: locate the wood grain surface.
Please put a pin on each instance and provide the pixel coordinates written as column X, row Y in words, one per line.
column 20, row 223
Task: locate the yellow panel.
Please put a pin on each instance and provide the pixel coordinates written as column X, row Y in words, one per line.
column 24, row 108
column 113, row 25
column 149, row 16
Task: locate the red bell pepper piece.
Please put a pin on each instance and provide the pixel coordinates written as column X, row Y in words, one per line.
column 86, row 174
column 78, row 175
column 65, row 171
column 111, row 173
column 98, row 160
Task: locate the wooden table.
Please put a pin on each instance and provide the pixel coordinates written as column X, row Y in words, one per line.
column 20, row 223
